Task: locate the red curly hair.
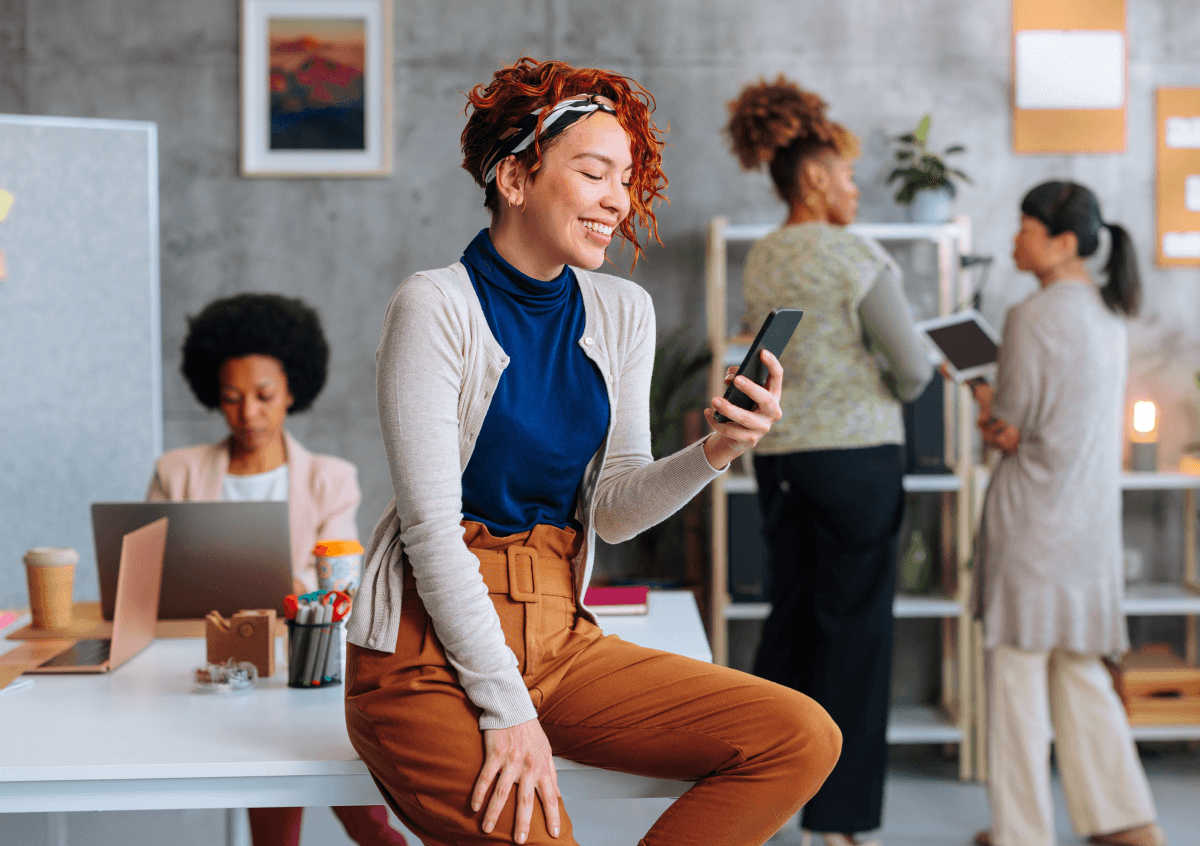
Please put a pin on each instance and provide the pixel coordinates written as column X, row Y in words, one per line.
column 526, row 85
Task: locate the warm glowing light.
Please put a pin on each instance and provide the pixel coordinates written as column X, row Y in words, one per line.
column 1144, row 417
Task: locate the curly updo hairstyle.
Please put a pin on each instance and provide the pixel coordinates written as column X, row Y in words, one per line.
column 781, row 125
column 518, row 89
column 283, row 328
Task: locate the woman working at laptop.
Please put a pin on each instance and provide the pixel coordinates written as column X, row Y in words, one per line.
column 258, row 358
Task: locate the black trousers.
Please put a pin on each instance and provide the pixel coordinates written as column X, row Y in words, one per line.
column 831, row 519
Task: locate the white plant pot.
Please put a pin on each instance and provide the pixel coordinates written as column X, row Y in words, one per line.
column 930, row 205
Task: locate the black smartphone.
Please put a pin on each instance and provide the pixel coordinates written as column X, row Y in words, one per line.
column 773, row 336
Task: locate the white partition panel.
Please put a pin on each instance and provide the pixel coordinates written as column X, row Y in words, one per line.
column 80, row 350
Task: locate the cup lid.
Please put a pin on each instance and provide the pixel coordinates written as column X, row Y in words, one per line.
column 51, row 556
column 333, row 548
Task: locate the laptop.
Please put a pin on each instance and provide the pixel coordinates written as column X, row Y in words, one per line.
column 141, row 569
column 221, row 556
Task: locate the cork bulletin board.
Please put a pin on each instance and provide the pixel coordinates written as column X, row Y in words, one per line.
column 1070, row 76
column 1177, row 115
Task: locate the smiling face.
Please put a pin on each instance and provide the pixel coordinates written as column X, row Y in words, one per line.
column 567, row 210
column 255, row 400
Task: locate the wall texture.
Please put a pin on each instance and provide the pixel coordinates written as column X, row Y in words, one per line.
column 343, row 244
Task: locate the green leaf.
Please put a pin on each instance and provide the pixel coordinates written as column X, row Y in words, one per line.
column 922, row 131
column 904, row 155
column 907, row 139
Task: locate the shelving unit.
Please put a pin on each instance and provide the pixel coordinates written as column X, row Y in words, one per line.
column 951, row 722
column 1161, row 599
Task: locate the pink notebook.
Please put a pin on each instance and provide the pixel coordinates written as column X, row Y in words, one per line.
column 617, row 600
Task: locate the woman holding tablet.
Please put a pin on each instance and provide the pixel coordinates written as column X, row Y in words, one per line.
column 1049, row 572
column 514, row 404
column 259, row 358
column 830, row 473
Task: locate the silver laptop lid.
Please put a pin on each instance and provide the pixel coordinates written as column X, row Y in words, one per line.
column 220, row 556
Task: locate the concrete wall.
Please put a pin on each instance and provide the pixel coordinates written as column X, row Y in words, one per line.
column 343, row 244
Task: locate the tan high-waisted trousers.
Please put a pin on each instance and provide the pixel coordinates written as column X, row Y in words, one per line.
column 756, row 750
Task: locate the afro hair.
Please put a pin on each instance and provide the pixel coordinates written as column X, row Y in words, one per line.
column 283, row 328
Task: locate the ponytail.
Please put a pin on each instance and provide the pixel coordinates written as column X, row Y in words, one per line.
column 1071, row 207
column 1122, row 292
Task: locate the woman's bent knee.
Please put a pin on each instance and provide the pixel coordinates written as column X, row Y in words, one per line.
column 808, row 738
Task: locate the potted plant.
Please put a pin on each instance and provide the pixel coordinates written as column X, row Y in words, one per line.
column 925, row 178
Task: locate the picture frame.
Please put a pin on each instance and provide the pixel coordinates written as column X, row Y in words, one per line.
column 316, row 88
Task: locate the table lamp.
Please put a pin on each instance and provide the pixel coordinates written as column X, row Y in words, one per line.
column 1143, row 440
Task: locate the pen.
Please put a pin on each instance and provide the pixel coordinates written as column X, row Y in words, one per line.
column 324, row 615
column 298, row 651
column 311, row 643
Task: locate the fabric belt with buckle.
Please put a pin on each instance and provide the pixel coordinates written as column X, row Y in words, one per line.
column 519, row 572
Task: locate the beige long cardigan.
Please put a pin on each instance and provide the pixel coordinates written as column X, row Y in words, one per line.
column 437, row 367
column 323, row 493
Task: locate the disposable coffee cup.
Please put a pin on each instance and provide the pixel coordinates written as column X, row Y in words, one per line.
column 50, row 571
column 339, row 565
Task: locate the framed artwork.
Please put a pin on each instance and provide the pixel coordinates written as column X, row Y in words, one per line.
column 316, row 81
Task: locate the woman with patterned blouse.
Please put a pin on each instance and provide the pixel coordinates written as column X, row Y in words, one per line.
column 830, row 472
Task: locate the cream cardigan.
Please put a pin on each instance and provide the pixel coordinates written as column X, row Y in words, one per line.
column 323, row 493
column 437, row 367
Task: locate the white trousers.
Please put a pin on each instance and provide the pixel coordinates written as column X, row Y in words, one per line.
column 1102, row 777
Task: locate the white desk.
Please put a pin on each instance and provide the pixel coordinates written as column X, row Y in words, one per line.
column 139, row 738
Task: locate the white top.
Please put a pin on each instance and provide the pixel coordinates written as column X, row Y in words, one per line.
column 271, row 486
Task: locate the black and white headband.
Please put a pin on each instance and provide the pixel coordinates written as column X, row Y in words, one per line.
column 562, row 115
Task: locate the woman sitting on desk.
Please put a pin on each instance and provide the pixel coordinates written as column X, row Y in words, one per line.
column 258, row 358
column 514, row 391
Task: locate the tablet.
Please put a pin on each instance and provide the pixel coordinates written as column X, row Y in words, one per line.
column 964, row 341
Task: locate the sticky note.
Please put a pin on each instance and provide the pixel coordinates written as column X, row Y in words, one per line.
column 1181, row 245
column 1183, row 133
column 6, row 201
column 1070, row 69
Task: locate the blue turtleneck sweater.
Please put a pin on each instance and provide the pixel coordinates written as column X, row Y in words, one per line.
column 550, row 411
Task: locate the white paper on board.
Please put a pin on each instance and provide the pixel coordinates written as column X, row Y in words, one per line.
column 1181, row 245
column 1070, row 69
column 1183, row 132
column 1191, row 192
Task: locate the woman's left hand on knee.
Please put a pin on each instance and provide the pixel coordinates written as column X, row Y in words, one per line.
column 518, row 755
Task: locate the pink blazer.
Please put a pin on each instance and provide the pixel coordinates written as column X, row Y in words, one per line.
column 323, row 494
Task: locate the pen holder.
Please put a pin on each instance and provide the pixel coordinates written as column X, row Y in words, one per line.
column 314, row 654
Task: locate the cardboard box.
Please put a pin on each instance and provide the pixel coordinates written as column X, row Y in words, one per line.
column 1158, row 687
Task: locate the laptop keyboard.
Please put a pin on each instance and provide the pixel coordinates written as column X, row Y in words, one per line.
column 84, row 653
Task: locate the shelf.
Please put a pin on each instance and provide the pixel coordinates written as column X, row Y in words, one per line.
column 1160, row 600
column 747, row 610
column 932, row 483
column 1170, row 480
column 741, row 483
column 925, row 607
column 922, row 724
column 1189, row 731
column 879, row 231
column 904, row 608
